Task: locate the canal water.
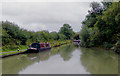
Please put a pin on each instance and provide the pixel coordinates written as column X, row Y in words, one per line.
column 66, row 59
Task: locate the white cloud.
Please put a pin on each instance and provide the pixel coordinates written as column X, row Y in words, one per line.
column 45, row 15
column 51, row 0
column 0, row 11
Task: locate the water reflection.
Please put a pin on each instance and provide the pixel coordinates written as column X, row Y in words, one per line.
column 12, row 65
column 57, row 65
column 66, row 59
column 20, row 62
column 65, row 51
column 97, row 61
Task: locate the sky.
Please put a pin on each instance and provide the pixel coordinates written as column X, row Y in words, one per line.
column 48, row 15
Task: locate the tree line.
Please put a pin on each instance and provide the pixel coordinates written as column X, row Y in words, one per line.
column 101, row 26
column 13, row 36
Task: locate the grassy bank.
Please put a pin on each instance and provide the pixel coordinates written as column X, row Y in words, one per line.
column 23, row 48
column 12, row 52
column 58, row 43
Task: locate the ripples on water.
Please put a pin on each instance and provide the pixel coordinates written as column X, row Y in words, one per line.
column 66, row 59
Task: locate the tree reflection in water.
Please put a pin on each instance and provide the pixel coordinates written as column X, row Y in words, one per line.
column 98, row 61
column 94, row 61
column 14, row 64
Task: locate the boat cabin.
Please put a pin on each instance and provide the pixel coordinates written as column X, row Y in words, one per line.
column 76, row 42
column 39, row 46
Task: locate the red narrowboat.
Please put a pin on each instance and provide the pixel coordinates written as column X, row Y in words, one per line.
column 36, row 47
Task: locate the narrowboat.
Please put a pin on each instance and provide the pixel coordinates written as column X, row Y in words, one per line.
column 37, row 47
column 76, row 42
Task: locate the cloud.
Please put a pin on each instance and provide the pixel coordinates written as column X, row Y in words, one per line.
column 51, row 0
column 49, row 16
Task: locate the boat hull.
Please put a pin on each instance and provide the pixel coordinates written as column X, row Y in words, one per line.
column 36, row 50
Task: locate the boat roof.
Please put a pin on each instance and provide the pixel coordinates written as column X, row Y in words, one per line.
column 40, row 43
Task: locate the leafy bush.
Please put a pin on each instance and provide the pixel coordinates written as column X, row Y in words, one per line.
column 102, row 25
column 107, row 45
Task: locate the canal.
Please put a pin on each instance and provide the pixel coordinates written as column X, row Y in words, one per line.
column 66, row 59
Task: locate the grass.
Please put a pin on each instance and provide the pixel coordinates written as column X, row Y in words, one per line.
column 7, row 53
column 20, row 48
column 23, row 47
column 57, row 43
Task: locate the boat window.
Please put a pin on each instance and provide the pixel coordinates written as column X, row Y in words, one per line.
column 35, row 45
column 38, row 45
column 48, row 45
column 42, row 45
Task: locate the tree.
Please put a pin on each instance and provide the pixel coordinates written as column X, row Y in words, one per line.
column 54, row 36
column 76, row 37
column 67, row 31
column 96, row 8
column 102, row 25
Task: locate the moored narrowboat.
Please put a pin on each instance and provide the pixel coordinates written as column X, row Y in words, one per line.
column 76, row 42
column 36, row 47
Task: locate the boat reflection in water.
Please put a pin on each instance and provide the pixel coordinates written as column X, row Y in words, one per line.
column 14, row 64
column 66, row 59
